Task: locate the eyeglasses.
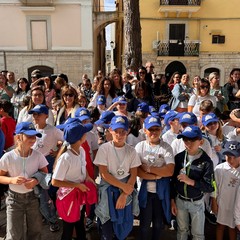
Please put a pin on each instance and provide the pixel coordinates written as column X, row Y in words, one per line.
column 68, row 95
column 37, row 95
column 204, row 87
column 186, row 139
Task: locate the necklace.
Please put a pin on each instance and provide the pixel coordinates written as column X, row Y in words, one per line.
column 120, row 170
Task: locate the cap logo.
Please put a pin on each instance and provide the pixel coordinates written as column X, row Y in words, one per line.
column 37, row 107
column 232, row 147
column 120, row 120
column 100, row 99
column 186, row 116
column 83, row 112
column 164, row 111
column 152, row 119
column 208, row 117
column 31, row 126
column 121, row 99
column 153, row 109
column 187, row 129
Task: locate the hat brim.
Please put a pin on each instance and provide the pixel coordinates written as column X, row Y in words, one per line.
column 188, row 135
column 32, row 133
column 231, row 153
column 118, row 126
column 123, row 102
column 36, row 111
column 210, row 121
column 154, row 124
column 85, row 117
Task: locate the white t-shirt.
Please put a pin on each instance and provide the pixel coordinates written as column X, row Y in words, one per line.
column 178, row 146
column 50, row 137
column 118, row 160
column 156, row 156
column 93, row 102
column 169, row 136
column 228, row 182
column 25, row 117
column 71, row 167
column 230, row 133
column 195, row 101
column 16, row 165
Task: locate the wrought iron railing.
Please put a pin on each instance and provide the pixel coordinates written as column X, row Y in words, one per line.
column 181, row 2
column 190, row 48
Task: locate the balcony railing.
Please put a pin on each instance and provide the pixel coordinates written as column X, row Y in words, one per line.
column 37, row 2
column 178, row 48
column 180, row 2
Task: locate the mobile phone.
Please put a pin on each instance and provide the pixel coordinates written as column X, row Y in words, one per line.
column 216, row 93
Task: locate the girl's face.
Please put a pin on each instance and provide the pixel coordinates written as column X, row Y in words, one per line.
column 39, row 118
column 47, row 82
column 235, row 76
column 116, row 78
column 233, row 161
column 185, row 79
column 121, row 107
column 119, row 136
column 153, row 134
column 140, row 92
column 196, row 82
column 176, row 79
column 22, row 85
column 215, row 81
column 163, row 80
column 124, row 79
column 68, row 98
column 204, row 88
column 57, row 85
column 142, row 74
column 102, row 107
column 27, row 141
column 192, row 145
column 37, row 97
column 212, row 127
column 82, row 102
column 107, row 85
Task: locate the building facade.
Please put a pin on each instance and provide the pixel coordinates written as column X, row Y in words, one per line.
column 193, row 36
column 55, row 36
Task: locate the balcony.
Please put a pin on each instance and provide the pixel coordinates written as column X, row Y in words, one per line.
column 178, row 48
column 179, row 6
column 37, row 2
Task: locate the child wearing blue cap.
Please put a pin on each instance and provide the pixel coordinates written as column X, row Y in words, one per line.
column 117, row 162
column 70, row 171
column 227, row 177
column 193, row 176
column 157, row 166
column 16, row 169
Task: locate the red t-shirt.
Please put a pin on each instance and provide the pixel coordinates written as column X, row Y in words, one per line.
column 8, row 128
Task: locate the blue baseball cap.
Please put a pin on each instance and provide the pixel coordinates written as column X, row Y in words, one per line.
column 170, row 116
column 40, row 108
column 188, row 117
column 152, row 121
column 143, row 107
column 105, row 117
column 153, row 111
column 191, row 132
column 121, row 99
column 74, row 131
column 164, row 108
column 119, row 122
column 101, row 100
column 27, row 128
column 82, row 113
column 231, row 148
column 67, row 122
column 208, row 118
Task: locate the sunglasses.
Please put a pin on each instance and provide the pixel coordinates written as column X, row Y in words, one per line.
column 204, row 86
column 68, row 95
column 186, row 139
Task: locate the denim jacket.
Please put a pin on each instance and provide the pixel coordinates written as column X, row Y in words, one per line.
column 102, row 207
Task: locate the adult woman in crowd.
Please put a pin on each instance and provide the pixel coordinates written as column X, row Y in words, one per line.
column 23, row 89
column 105, row 88
column 175, row 78
column 203, row 93
column 6, row 92
column 181, row 93
column 218, row 91
column 49, row 91
column 232, row 88
column 58, row 84
column 195, row 83
column 116, row 77
column 141, row 95
column 70, row 104
column 37, row 97
column 161, row 91
column 96, row 81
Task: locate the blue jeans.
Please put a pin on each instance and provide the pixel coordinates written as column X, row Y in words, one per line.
column 152, row 213
column 47, row 207
column 196, row 211
column 18, row 206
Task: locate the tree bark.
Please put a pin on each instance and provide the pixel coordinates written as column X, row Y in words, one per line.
column 132, row 35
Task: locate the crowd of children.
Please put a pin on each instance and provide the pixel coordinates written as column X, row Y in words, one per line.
column 109, row 164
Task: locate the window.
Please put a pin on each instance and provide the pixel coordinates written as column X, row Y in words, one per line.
column 218, row 39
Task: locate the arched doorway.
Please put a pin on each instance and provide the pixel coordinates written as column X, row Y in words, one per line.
column 175, row 66
column 207, row 71
column 45, row 70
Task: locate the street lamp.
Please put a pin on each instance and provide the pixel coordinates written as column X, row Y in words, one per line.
column 112, row 44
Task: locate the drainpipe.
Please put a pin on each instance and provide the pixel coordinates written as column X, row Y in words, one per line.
column 4, row 61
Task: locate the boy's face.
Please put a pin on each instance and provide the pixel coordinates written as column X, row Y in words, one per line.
column 27, row 141
column 153, row 133
column 119, row 135
column 192, row 144
column 101, row 106
column 39, row 118
column 233, row 161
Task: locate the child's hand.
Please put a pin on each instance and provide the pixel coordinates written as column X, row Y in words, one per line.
column 18, row 180
column 121, row 202
column 128, row 189
column 238, row 227
column 214, row 208
column 184, row 178
column 83, row 187
column 53, row 153
column 88, row 179
column 218, row 148
column 31, row 183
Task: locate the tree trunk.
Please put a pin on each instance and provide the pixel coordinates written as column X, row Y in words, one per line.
column 132, row 35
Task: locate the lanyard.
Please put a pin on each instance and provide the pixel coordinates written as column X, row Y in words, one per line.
column 120, row 170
